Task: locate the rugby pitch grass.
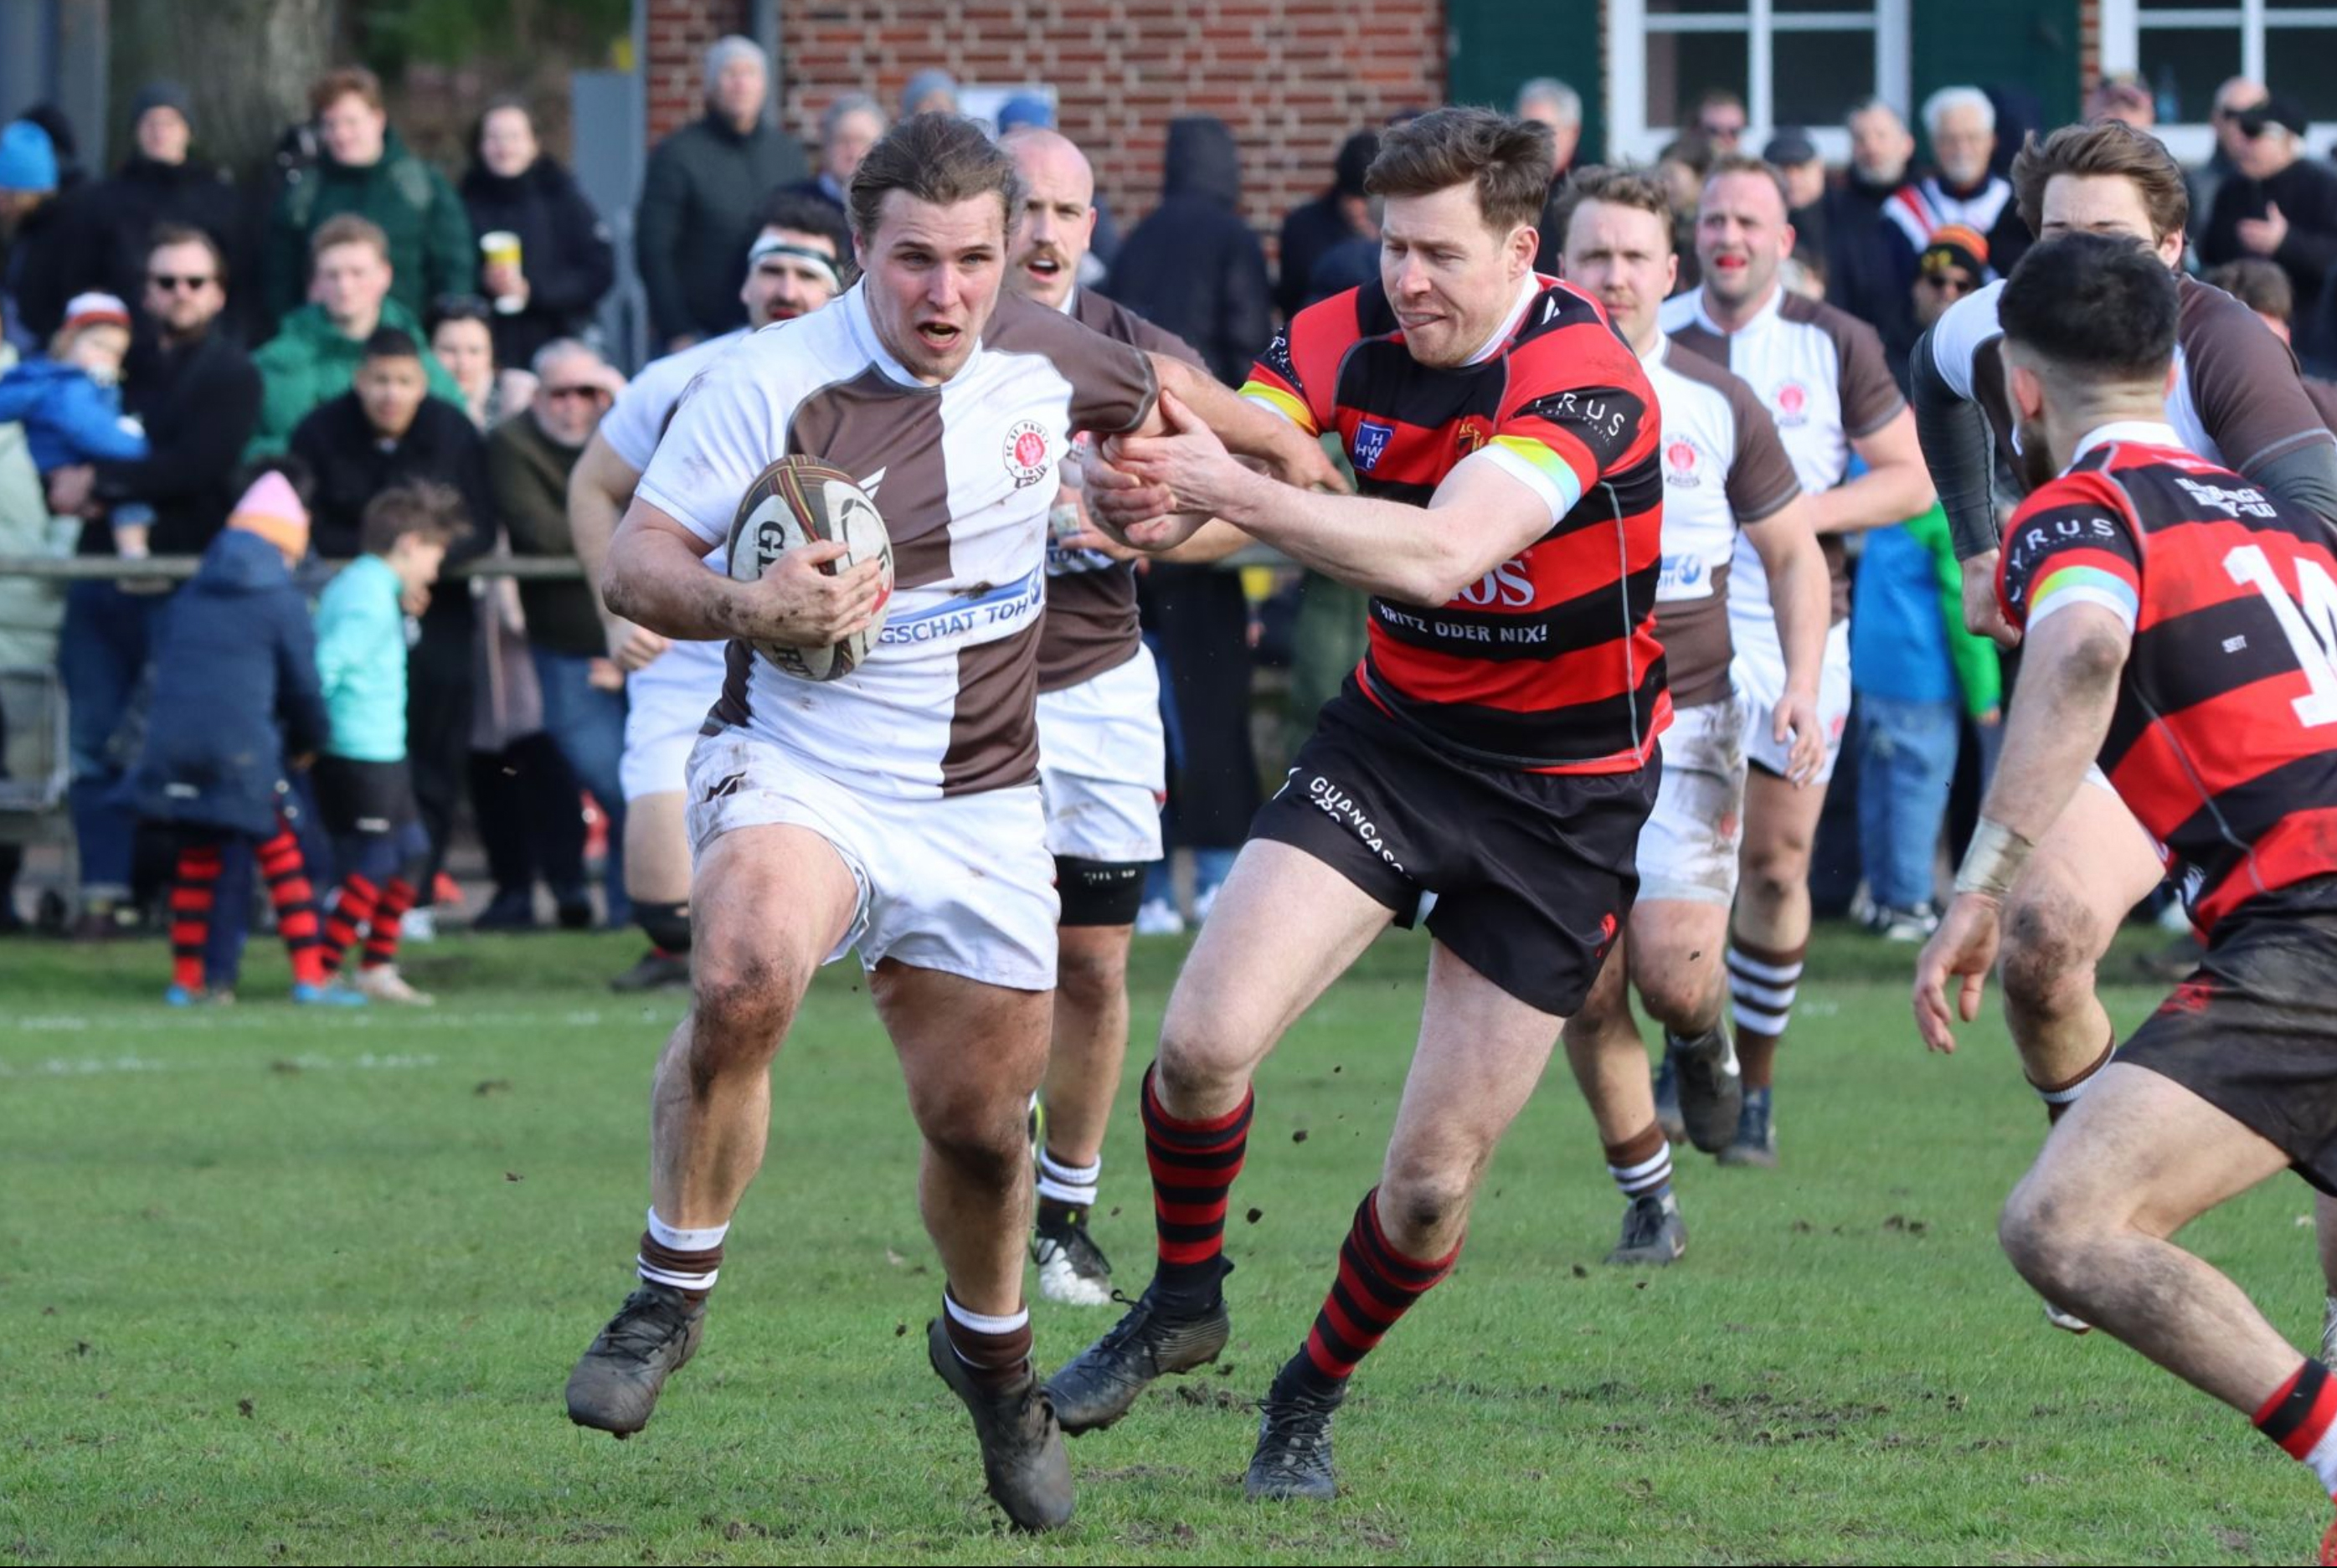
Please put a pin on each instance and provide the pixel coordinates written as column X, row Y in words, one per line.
column 278, row 1286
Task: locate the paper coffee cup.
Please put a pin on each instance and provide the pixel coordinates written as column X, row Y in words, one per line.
column 500, row 248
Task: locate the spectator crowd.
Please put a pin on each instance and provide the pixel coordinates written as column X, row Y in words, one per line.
column 333, row 390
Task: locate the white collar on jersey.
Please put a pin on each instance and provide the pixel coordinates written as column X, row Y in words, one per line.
column 1660, row 352
column 1070, row 305
column 1768, row 308
column 1527, row 289
column 2141, row 432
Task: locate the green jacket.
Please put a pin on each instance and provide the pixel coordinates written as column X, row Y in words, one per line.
column 528, row 473
column 361, row 660
column 309, row 363
column 431, row 246
column 1979, row 671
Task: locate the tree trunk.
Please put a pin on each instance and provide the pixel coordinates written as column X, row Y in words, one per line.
column 247, row 64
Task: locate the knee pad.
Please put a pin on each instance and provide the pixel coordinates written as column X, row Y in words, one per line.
column 1099, row 892
column 667, row 925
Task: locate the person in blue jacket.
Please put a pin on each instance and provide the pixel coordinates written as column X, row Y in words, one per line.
column 236, row 693
column 70, row 402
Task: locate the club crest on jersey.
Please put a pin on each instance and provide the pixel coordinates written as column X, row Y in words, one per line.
column 1472, row 436
column 1026, row 453
column 1793, row 403
column 1679, row 465
column 1372, row 440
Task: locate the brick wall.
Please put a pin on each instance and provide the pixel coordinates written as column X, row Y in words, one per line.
column 678, row 33
column 1292, row 77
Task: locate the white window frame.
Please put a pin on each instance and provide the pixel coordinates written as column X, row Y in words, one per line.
column 1629, row 134
column 2193, row 142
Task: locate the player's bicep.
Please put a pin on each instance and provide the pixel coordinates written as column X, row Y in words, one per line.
column 2080, row 637
column 1491, row 511
column 726, row 432
column 1780, row 538
column 1892, row 444
column 2072, row 551
column 645, row 523
column 1559, row 444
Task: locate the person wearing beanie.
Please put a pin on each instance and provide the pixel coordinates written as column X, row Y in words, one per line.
column 931, row 92
column 1341, row 214
column 70, row 402
column 704, row 185
column 106, row 225
column 236, row 694
column 28, row 161
column 1025, row 112
column 1951, row 265
column 32, row 274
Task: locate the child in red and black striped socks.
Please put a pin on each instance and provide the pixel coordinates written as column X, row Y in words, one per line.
column 235, row 690
column 365, row 791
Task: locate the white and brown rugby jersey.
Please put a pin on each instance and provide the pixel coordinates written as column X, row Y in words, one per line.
column 1821, row 373
column 964, row 473
column 1723, row 467
column 1091, row 621
column 2236, row 402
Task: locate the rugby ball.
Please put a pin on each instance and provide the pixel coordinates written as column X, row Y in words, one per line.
column 796, row 501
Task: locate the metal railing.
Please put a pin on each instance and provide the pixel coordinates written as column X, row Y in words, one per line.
column 179, row 568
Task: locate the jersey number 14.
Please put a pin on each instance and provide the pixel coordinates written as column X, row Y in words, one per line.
column 2311, row 629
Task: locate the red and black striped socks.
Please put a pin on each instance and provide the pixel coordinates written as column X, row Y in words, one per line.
column 353, row 910
column 193, row 892
column 2302, row 1417
column 388, row 915
column 1375, row 1286
column 1193, row 1165
column 370, row 912
column 288, row 890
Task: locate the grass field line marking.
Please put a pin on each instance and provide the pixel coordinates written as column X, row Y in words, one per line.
column 262, row 1019
column 86, row 1067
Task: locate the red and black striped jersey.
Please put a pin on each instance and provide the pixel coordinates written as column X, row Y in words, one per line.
column 1551, row 662
column 2223, row 743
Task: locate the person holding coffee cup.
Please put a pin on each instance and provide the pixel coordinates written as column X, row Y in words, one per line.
column 544, row 259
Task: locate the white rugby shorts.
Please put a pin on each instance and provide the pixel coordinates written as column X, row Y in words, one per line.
column 962, row 883
column 667, row 699
column 1759, row 673
column 1103, row 764
column 1687, row 850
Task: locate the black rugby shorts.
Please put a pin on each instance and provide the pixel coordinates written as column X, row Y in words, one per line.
column 1526, row 876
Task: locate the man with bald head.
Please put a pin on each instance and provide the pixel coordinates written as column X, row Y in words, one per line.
column 1103, row 761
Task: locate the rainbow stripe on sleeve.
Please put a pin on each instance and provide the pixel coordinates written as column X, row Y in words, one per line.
column 2074, row 582
column 1282, row 401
